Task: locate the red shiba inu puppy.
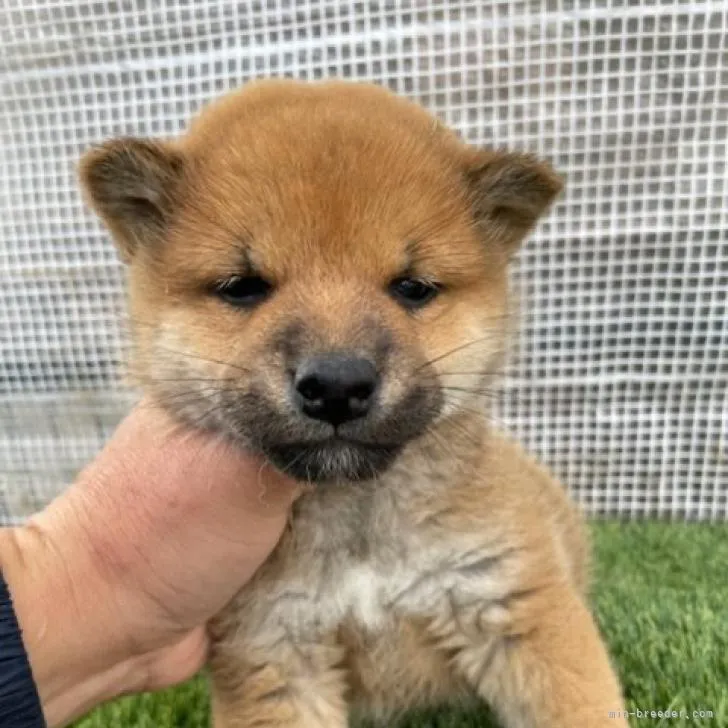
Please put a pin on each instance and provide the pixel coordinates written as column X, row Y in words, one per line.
column 319, row 271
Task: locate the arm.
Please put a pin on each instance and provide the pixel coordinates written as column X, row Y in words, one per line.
column 114, row 581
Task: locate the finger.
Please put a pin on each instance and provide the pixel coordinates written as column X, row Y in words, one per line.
column 156, row 478
column 152, row 450
column 174, row 664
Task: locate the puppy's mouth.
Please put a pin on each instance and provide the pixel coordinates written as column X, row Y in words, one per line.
column 333, row 459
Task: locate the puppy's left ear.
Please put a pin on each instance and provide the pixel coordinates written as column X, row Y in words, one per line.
column 510, row 192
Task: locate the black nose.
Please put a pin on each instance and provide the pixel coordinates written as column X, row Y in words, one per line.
column 335, row 388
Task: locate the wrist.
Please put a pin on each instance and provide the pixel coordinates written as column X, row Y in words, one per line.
column 75, row 656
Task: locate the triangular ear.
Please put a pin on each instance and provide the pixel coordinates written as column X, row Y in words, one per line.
column 133, row 184
column 510, row 192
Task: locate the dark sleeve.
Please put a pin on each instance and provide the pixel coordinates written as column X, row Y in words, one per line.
column 19, row 702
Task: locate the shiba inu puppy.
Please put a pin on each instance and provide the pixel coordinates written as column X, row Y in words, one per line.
column 319, row 271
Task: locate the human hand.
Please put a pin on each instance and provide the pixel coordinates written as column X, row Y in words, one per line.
column 114, row 581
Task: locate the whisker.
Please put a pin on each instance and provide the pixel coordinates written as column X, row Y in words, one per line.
column 476, row 373
column 442, row 442
column 189, row 354
column 211, row 380
column 199, row 421
column 191, row 394
column 181, row 399
column 452, row 351
column 470, row 390
column 465, row 416
column 293, row 461
column 460, row 427
column 184, row 420
column 199, row 357
column 482, row 415
column 480, row 391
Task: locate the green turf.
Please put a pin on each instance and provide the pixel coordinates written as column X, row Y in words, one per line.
column 661, row 597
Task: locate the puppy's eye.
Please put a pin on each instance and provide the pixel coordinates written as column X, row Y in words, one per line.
column 412, row 292
column 244, row 291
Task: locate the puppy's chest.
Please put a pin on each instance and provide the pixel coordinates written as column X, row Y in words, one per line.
column 372, row 563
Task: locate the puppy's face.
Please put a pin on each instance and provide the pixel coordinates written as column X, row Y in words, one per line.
column 317, row 270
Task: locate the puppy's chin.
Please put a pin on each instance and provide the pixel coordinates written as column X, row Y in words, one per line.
column 332, row 460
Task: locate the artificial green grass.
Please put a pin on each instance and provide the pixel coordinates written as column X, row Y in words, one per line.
column 661, row 598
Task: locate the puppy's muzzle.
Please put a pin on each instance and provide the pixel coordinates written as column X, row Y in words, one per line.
column 335, row 388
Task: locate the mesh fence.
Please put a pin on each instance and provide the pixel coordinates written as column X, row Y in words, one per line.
column 620, row 379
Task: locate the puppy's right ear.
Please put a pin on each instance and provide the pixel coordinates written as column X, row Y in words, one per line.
column 133, row 184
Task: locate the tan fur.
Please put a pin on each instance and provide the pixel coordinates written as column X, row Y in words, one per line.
column 458, row 571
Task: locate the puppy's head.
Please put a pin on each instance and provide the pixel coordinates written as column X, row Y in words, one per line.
column 318, row 270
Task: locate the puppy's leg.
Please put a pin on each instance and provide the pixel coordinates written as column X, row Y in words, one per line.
column 302, row 688
column 549, row 669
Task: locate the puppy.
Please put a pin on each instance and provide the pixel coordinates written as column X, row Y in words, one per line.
column 319, row 272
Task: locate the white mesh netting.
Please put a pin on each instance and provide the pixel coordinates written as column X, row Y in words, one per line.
column 621, row 384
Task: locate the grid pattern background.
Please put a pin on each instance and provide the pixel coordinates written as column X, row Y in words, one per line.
column 620, row 376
